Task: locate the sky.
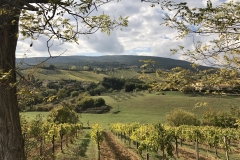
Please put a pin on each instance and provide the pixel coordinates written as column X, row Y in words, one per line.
column 143, row 36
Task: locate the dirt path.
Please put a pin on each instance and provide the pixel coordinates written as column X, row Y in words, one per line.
column 111, row 149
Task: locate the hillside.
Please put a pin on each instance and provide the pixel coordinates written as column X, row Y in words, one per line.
column 54, row 75
column 116, row 61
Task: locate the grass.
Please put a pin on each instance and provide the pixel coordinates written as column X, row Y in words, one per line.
column 82, row 147
column 45, row 74
column 149, row 108
column 142, row 108
column 123, row 73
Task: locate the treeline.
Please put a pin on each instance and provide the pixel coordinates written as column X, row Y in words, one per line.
column 37, row 95
column 127, row 84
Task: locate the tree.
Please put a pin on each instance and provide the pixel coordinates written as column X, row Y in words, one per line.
column 218, row 23
column 37, row 18
column 63, row 114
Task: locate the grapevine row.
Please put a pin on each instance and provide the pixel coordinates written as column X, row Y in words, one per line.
column 39, row 134
column 154, row 137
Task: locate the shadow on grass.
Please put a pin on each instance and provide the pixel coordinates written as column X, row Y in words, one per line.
column 83, row 146
column 116, row 112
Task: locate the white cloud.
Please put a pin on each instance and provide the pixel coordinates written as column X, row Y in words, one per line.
column 143, row 36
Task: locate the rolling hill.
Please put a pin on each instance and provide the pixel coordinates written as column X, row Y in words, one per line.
column 114, row 61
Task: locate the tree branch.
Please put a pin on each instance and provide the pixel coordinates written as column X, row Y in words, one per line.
column 36, row 1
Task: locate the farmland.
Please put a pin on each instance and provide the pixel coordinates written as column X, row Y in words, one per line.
column 145, row 107
column 123, row 73
column 150, row 108
column 53, row 75
column 140, row 106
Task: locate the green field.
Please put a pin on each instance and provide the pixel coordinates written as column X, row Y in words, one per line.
column 149, row 108
column 123, row 73
column 45, row 74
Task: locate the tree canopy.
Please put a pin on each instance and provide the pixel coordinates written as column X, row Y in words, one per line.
column 220, row 25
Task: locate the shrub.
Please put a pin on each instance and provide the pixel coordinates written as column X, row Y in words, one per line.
column 84, row 104
column 179, row 117
column 99, row 102
column 74, row 94
column 219, row 119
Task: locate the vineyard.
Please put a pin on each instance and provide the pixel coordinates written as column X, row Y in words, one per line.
column 62, row 74
column 167, row 140
column 45, row 140
column 124, row 73
column 145, row 138
column 42, row 138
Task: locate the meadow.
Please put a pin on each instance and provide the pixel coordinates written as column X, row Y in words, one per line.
column 58, row 74
column 146, row 107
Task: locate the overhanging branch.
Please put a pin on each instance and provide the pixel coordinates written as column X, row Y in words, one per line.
column 36, row 1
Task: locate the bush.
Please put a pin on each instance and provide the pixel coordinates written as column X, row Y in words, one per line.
column 219, row 119
column 179, row 117
column 84, row 104
column 99, row 102
column 74, row 94
column 188, row 89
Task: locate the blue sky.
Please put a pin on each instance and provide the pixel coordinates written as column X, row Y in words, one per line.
column 143, row 36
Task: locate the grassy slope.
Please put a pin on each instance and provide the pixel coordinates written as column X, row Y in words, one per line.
column 124, row 73
column 152, row 108
column 149, row 108
column 64, row 74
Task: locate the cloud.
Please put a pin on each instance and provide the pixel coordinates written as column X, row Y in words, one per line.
column 101, row 42
column 143, row 36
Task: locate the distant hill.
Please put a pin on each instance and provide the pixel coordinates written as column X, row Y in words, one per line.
column 114, row 61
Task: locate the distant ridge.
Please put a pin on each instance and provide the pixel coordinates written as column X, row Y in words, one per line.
column 108, row 61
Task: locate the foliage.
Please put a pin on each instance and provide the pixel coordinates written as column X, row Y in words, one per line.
column 74, row 94
column 86, row 102
column 4, row 76
column 157, row 136
column 114, row 83
column 99, row 102
column 98, row 90
column 222, row 119
column 221, row 26
column 97, row 135
column 127, row 84
column 219, row 23
column 179, row 117
column 62, row 114
column 43, row 134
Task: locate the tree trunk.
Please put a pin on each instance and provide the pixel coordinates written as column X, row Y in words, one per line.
column 226, row 147
column 11, row 139
column 196, row 148
column 176, row 145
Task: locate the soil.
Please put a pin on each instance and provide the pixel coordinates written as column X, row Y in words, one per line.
column 111, row 149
